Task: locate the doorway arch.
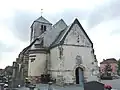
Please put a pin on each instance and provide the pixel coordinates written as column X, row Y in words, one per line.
column 79, row 74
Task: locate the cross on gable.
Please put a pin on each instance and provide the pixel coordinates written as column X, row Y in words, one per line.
column 41, row 12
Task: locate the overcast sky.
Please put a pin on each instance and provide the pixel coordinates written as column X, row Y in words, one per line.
column 99, row 18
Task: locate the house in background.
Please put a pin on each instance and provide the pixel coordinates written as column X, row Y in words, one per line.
column 112, row 62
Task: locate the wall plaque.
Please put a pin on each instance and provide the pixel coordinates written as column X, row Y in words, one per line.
column 78, row 60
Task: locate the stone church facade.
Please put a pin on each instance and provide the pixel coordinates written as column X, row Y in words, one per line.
column 62, row 52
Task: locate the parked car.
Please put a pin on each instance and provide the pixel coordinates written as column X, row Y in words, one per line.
column 116, row 77
column 106, row 77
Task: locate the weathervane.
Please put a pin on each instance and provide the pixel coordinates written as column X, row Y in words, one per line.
column 41, row 12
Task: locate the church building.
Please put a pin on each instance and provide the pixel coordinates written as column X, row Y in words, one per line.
column 61, row 53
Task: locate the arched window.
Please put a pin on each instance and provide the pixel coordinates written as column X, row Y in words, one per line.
column 60, row 51
column 43, row 28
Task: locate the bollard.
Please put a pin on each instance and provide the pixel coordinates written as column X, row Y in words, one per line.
column 31, row 87
column 50, row 86
column 2, row 86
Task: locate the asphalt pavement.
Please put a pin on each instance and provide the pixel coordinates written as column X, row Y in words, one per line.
column 115, row 83
column 55, row 87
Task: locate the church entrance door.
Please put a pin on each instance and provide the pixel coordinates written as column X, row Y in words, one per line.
column 79, row 76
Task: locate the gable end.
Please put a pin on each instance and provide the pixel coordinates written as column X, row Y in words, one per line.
column 75, row 22
column 63, row 34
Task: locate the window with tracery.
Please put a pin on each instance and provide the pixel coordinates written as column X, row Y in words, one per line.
column 60, row 52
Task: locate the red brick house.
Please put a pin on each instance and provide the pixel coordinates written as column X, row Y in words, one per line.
column 112, row 62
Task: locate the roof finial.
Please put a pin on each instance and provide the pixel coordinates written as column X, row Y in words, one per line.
column 41, row 12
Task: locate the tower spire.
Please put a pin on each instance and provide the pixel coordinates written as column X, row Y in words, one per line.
column 41, row 12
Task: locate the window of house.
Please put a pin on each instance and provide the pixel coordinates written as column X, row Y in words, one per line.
column 43, row 28
column 60, row 52
column 42, row 43
column 37, row 45
column 32, row 56
column 32, row 59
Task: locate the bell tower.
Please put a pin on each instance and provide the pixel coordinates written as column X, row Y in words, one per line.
column 39, row 26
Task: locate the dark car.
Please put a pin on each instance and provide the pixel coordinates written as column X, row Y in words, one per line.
column 106, row 77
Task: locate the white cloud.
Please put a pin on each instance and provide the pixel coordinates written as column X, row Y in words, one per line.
column 48, row 5
column 106, row 43
column 7, row 38
column 7, row 58
column 6, row 35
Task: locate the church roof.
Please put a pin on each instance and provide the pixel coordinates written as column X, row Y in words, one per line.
column 57, row 40
column 59, row 22
column 58, row 33
column 42, row 20
column 62, row 35
column 52, row 34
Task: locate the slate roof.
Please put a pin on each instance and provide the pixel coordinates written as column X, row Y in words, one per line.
column 42, row 20
column 52, row 35
column 110, row 60
column 57, row 40
column 59, row 22
column 26, row 48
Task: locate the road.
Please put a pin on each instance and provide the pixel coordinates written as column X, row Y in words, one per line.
column 115, row 83
column 45, row 87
